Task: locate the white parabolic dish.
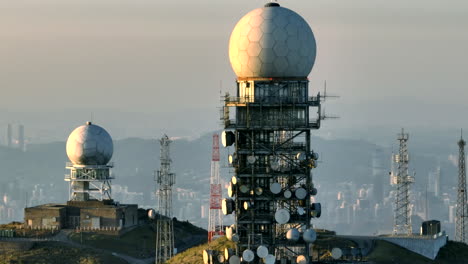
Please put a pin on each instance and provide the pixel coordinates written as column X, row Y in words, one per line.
column 336, row 253
column 282, row 216
column 270, row 259
column 234, row 260
column 309, row 236
column 248, row 255
column 262, row 251
column 275, row 188
column 293, row 234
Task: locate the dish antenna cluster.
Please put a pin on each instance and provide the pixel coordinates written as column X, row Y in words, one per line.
column 272, row 51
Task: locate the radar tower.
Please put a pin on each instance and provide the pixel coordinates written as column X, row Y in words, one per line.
column 164, row 224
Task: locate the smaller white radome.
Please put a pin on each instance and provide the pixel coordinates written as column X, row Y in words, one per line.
column 90, row 145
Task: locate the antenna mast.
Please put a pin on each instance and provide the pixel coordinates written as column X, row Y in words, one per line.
column 164, row 225
column 215, row 222
column 460, row 228
column 402, row 223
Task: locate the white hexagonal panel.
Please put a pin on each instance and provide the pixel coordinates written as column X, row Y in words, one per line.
column 90, row 145
column 272, row 42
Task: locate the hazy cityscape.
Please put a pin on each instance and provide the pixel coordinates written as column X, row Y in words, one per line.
column 215, row 132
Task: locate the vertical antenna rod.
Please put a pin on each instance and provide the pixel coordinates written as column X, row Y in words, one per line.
column 460, row 221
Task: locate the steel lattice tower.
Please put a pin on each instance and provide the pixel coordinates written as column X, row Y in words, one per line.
column 461, row 228
column 402, row 223
column 215, row 222
column 164, row 225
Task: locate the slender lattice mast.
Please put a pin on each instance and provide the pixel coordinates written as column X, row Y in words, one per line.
column 402, row 223
column 164, row 225
column 461, row 228
column 215, row 223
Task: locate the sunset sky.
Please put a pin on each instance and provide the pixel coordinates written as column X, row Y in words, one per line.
column 395, row 63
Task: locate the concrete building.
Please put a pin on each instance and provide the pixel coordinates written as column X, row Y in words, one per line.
column 90, row 205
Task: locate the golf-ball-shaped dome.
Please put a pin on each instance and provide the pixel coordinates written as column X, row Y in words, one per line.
column 272, row 42
column 90, row 145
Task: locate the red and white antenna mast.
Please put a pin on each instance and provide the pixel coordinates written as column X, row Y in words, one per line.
column 215, row 222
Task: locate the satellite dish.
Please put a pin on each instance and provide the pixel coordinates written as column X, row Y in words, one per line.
column 315, row 155
column 300, row 211
column 275, row 188
column 293, row 234
column 234, row 260
column 207, row 254
column 151, row 214
column 251, row 159
column 248, row 255
column 274, row 165
column 309, row 236
column 258, row 191
column 336, row 253
column 300, row 193
column 262, row 251
column 227, row 206
column 235, row 238
column 227, row 138
column 301, row 259
column 287, row 194
column 316, row 210
column 230, row 190
column 270, row 259
column 231, row 159
column 244, row 189
column 313, row 191
column 246, row 205
column 221, row 258
column 228, row 253
column 301, row 156
column 234, row 180
column 229, row 233
column 282, row 216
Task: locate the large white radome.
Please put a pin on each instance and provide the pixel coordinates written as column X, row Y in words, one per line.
column 272, row 42
column 90, row 145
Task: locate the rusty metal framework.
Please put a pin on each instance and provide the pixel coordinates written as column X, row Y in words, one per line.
column 164, row 224
column 461, row 217
column 402, row 221
column 272, row 121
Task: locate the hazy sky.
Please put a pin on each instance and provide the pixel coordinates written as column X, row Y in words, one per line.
column 394, row 63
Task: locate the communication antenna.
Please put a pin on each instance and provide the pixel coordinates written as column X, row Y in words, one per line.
column 402, row 224
column 461, row 217
column 215, row 221
column 164, row 224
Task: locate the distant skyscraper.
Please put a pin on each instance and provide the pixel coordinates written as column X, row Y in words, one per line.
column 378, row 175
column 9, row 136
column 21, row 137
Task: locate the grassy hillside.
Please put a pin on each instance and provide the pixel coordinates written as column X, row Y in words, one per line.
column 140, row 242
column 195, row 254
column 58, row 253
